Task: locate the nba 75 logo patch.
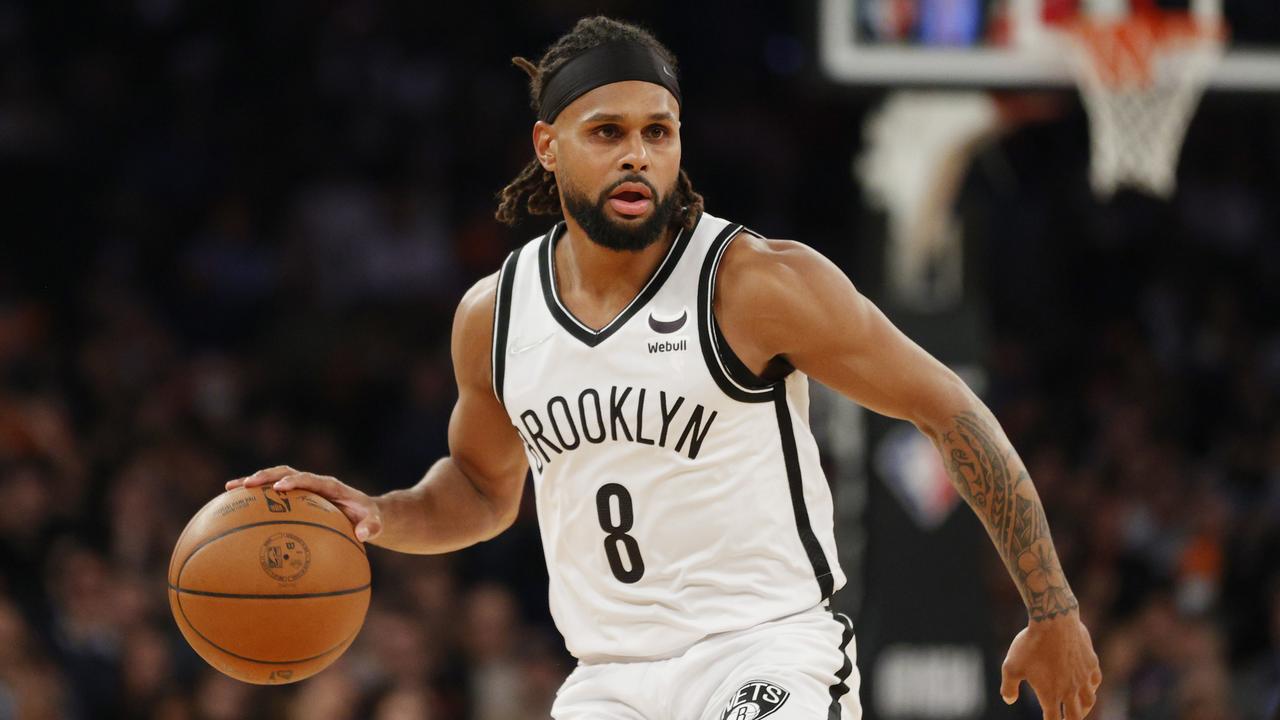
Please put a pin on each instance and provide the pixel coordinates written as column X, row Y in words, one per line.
column 756, row 699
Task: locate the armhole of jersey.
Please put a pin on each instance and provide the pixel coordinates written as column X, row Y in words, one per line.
column 502, row 321
column 730, row 373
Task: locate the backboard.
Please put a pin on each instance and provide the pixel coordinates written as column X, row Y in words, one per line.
column 1009, row 43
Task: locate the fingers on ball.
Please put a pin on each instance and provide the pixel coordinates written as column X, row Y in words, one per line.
column 307, row 481
column 262, row 477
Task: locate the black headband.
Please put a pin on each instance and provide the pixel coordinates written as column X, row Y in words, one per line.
column 609, row 63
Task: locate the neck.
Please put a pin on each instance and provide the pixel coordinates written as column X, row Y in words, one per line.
column 600, row 275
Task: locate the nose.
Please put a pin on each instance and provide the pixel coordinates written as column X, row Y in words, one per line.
column 635, row 156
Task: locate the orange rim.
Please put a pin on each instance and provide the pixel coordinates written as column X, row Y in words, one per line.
column 1122, row 51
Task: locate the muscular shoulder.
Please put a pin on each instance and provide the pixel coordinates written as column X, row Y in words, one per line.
column 765, row 277
column 473, row 330
column 760, row 266
column 771, row 292
column 477, row 302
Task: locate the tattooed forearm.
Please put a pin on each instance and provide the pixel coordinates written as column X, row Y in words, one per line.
column 991, row 479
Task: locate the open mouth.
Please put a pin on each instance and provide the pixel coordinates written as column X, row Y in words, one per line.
column 630, row 199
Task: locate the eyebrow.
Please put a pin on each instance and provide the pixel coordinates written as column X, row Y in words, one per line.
column 614, row 117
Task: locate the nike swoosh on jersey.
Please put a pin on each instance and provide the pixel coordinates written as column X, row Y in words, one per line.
column 668, row 326
column 516, row 350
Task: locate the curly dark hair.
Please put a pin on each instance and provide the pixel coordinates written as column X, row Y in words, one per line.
column 534, row 190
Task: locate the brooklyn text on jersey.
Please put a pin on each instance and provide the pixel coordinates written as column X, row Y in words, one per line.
column 573, row 423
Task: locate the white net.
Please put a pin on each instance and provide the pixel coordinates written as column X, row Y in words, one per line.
column 1141, row 79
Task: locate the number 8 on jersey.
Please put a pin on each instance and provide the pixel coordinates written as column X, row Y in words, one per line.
column 617, row 532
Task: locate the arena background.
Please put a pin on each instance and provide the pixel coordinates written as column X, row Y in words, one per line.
column 233, row 235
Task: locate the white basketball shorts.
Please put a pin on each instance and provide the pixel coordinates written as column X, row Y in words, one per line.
column 799, row 667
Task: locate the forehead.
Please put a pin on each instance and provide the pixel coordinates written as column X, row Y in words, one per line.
column 632, row 99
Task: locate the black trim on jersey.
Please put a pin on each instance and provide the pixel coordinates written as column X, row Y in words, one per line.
column 719, row 357
column 812, row 548
column 575, row 327
column 776, row 371
column 502, row 321
column 840, row 687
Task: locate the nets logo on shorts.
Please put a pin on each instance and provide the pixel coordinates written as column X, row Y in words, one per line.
column 756, row 699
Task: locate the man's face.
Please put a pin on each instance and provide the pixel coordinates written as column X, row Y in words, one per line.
column 616, row 155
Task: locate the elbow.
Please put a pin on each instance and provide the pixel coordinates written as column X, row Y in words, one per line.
column 950, row 399
column 495, row 500
column 504, row 516
column 504, row 508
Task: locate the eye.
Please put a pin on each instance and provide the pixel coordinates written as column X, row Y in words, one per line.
column 657, row 132
column 608, row 131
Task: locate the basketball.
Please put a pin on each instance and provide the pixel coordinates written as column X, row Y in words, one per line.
column 269, row 587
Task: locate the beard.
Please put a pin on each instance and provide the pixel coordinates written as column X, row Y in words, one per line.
column 603, row 231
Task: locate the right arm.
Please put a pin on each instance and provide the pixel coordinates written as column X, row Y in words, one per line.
column 468, row 497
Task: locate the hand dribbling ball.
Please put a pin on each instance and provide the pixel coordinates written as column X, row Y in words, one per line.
column 269, row 587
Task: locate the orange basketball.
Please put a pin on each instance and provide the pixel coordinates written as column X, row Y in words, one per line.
column 269, row 587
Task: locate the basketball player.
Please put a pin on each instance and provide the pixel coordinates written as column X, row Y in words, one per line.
column 648, row 362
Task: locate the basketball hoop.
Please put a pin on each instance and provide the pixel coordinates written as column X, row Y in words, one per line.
column 1141, row 78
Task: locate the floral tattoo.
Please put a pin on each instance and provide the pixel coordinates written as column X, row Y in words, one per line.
column 977, row 458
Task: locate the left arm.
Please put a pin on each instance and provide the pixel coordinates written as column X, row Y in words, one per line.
column 991, row 477
column 777, row 298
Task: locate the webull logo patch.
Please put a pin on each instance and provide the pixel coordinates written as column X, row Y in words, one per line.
column 667, row 346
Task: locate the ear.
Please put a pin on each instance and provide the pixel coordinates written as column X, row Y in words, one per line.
column 544, row 145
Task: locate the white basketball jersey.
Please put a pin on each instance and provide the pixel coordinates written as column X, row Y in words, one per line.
column 677, row 495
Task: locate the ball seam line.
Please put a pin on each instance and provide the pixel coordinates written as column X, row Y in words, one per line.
column 219, row 648
column 269, row 596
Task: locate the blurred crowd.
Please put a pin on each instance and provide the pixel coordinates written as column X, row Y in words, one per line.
column 1135, row 364
column 235, row 234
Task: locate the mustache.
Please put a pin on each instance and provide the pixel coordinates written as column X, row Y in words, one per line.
column 653, row 191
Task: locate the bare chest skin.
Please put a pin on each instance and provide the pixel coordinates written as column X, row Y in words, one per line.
column 596, row 285
column 596, row 311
